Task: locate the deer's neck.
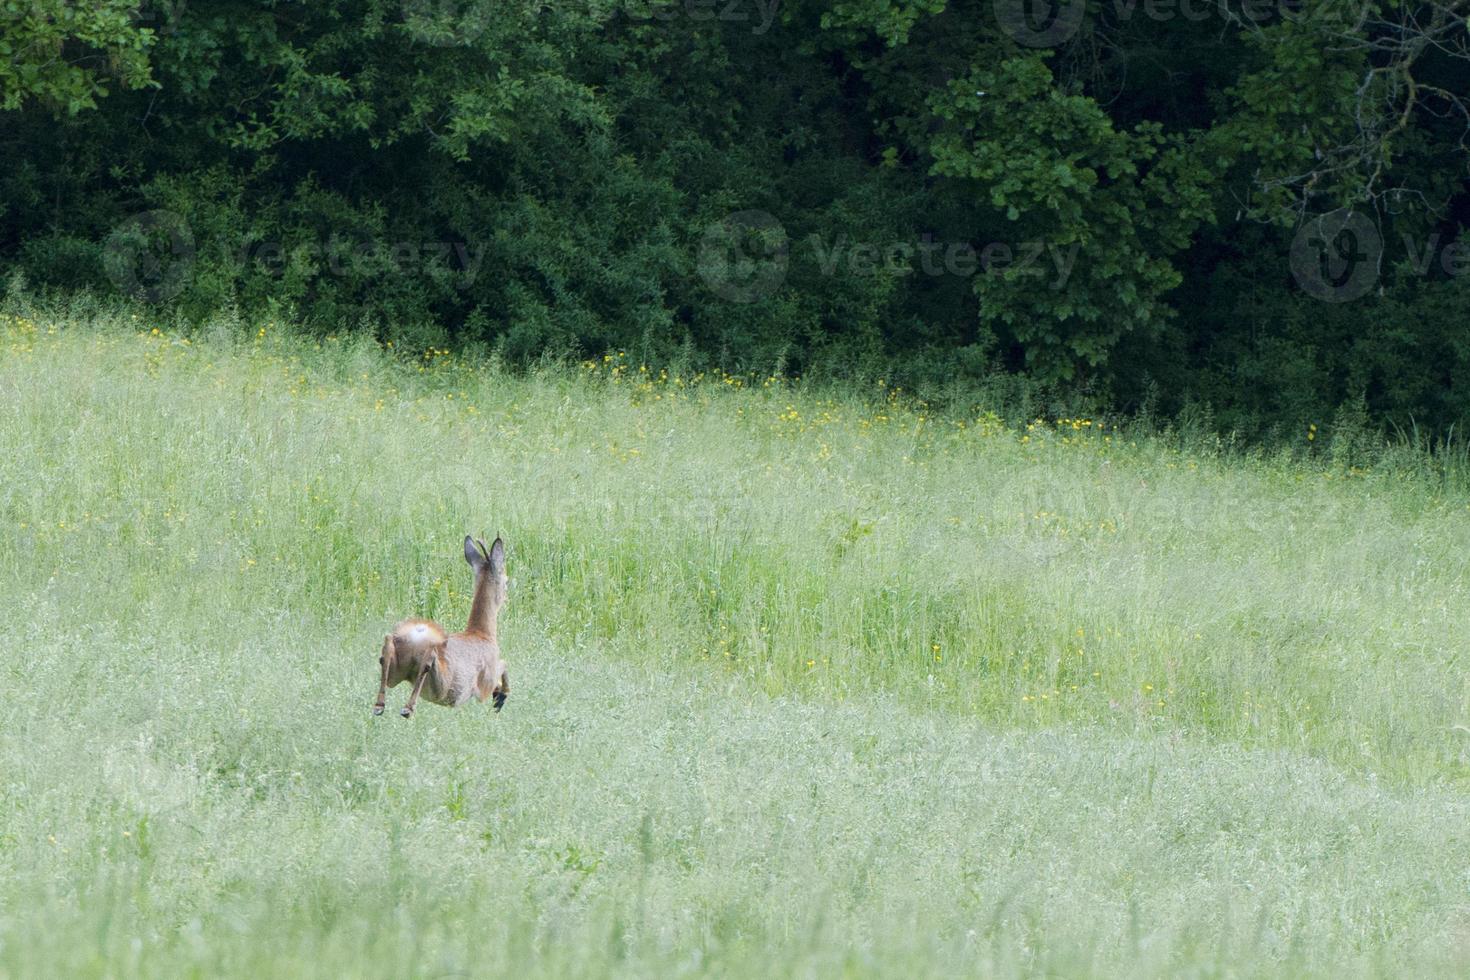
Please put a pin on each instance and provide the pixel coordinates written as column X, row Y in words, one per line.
column 484, row 606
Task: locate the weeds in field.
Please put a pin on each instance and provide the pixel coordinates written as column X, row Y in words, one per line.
column 790, row 650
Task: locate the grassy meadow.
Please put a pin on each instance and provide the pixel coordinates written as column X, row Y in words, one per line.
column 804, row 682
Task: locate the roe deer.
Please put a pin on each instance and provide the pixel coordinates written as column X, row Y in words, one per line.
column 447, row 668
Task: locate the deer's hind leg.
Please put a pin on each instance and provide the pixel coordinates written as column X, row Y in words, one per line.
column 413, row 697
column 385, row 661
column 426, row 667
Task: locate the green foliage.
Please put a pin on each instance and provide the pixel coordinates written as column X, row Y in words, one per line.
column 1054, row 166
column 945, row 202
column 60, row 55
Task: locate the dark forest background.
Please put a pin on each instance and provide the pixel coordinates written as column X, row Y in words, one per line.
column 1248, row 210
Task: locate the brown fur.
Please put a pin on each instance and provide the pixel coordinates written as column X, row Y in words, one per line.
column 449, row 668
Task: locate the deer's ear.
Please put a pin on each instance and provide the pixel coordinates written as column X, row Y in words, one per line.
column 472, row 554
column 497, row 557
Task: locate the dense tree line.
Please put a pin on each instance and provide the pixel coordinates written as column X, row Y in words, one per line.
column 1249, row 204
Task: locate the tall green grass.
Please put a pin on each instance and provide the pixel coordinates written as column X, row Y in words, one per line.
column 804, row 682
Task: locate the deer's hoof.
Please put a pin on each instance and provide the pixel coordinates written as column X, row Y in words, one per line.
column 406, row 712
column 377, row 709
